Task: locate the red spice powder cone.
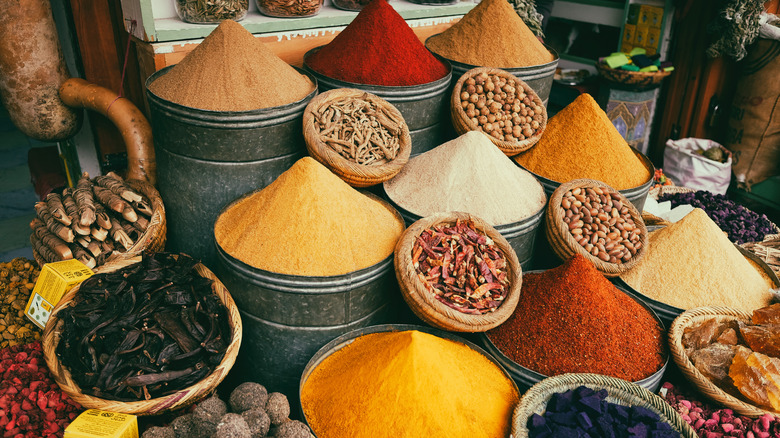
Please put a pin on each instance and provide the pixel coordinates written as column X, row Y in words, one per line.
column 378, row 48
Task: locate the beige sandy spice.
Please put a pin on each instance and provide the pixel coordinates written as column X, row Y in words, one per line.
column 692, row 263
column 491, row 35
column 581, row 142
column 308, row 222
column 231, row 70
column 467, row 174
column 408, row 385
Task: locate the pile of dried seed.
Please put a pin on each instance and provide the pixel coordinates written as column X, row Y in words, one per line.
column 462, row 267
column 211, row 11
column 289, row 8
column 17, row 279
column 500, row 107
column 362, row 129
column 601, row 224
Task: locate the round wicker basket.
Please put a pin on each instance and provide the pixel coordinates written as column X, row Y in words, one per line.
column 619, row 391
column 177, row 400
column 153, row 239
column 690, row 318
column 425, row 305
column 636, row 79
column 463, row 123
column 356, row 175
column 565, row 246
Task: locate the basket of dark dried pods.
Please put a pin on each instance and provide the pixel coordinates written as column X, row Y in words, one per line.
column 143, row 335
column 457, row 272
column 359, row 136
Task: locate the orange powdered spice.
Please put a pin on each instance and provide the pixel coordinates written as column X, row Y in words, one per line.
column 491, row 35
column 231, row 70
column 581, row 142
column 308, row 222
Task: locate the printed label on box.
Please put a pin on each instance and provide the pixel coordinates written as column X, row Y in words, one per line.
column 629, row 31
column 653, row 37
column 641, row 36
column 53, row 282
column 94, row 423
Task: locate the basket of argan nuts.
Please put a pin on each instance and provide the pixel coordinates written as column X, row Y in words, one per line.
column 499, row 104
column 589, row 217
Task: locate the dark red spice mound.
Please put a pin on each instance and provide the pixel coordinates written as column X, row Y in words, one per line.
column 378, row 48
column 571, row 319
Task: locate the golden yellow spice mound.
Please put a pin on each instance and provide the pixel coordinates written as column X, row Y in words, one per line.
column 581, row 142
column 308, row 222
column 231, row 70
column 491, row 35
column 692, row 263
column 408, row 385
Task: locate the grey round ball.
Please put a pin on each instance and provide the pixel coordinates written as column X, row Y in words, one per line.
column 258, row 422
column 184, row 427
column 159, row 432
column 207, row 414
column 292, row 429
column 248, row 395
column 277, row 407
column 232, row 426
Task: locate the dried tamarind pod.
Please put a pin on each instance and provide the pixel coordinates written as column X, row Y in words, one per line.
column 85, row 200
column 83, row 256
column 73, row 212
column 119, row 235
column 117, row 186
column 57, row 245
column 102, row 218
column 55, row 227
column 57, row 210
column 44, row 251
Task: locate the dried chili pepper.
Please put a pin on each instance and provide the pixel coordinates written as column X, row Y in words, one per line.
column 462, row 267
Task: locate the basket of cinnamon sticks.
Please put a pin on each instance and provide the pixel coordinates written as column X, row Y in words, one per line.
column 101, row 219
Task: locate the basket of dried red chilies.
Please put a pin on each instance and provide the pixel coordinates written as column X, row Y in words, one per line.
column 143, row 336
column 457, row 272
column 588, row 217
column 359, row 136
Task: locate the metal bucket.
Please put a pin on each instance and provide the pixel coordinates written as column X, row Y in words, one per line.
column 289, row 317
column 538, row 77
column 636, row 195
column 206, row 159
column 423, row 106
column 526, row 378
column 347, row 338
column 521, row 235
column 425, row 139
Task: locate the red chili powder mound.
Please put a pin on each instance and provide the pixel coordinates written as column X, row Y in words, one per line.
column 571, row 319
column 378, row 48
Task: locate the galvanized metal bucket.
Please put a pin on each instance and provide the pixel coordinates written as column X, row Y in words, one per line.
column 423, row 106
column 206, row 159
column 526, row 378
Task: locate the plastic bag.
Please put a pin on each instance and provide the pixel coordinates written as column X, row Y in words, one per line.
column 688, row 169
column 770, row 26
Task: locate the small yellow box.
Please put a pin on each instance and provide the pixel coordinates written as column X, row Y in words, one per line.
column 640, row 37
column 629, row 31
column 94, row 423
column 653, row 38
column 626, row 48
column 653, row 15
column 54, row 280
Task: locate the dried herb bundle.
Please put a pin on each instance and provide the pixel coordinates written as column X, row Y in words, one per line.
column 361, row 130
column 144, row 331
column 211, row 11
column 462, row 267
column 90, row 222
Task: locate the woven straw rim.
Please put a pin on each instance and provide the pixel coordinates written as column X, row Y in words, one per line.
column 153, row 239
column 631, row 77
column 463, row 123
column 562, row 241
column 177, row 400
column 619, row 391
column 703, row 384
column 356, row 175
column 425, row 305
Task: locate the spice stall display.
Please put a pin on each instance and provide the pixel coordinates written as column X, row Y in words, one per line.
column 98, row 220
column 470, row 174
column 708, row 270
column 17, row 280
column 413, row 382
column 359, row 136
column 379, row 53
column 571, row 319
column 211, row 11
column 226, row 120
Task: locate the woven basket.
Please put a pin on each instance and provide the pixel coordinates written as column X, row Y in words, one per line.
column 356, row 175
column 153, row 239
column 425, row 305
column 562, row 241
column 464, row 124
column 695, row 316
column 180, row 399
column 639, row 79
column 619, row 391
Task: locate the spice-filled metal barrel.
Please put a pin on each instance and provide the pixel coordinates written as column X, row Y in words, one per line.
column 206, row 159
